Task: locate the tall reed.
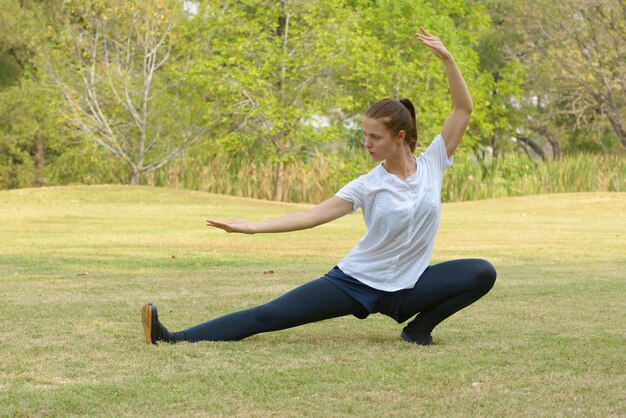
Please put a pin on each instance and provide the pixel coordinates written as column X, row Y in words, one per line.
column 322, row 175
column 516, row 176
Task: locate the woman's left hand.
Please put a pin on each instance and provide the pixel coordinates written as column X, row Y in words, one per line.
column 435, row 44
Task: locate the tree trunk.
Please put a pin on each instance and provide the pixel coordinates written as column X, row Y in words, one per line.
column 280, row 180
column 532, row 144
column 494, row 152
column 556, row 146
column 39, row 163
column 135, row 178
column 616, row 122
column 554, row 143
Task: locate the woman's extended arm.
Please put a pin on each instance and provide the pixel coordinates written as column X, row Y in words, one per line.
column 327, row 211
column 462, row 104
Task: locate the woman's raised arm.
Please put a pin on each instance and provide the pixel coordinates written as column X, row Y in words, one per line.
column 462, row 105
column 327, row 211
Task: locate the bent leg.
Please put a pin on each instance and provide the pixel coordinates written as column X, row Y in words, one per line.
column 444, row 289
column 311, row 302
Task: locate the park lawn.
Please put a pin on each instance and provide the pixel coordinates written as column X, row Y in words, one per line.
column 76, row 263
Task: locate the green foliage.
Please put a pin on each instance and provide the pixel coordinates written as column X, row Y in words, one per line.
column 273, row 62
column 18, row 35
column 30, row 135
column 113, row 74
column 574, row 54
column 271, row 93
column 391, row 62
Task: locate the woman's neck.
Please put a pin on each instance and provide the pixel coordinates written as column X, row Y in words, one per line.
column 403, row 165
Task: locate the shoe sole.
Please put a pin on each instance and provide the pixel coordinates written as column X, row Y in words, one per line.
column 148, row 312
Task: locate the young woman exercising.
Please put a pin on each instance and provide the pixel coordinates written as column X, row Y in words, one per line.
column 388, row 271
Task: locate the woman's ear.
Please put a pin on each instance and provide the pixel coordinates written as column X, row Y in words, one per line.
column 400, row 137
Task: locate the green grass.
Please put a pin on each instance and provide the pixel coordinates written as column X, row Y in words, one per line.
column 76, row 263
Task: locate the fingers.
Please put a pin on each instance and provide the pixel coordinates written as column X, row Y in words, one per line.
column 426, row 36
column 434, row 43
column 240, row 225
column 217, row 224
column 428, row 39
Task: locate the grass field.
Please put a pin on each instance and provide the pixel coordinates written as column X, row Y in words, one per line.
column 76, row 263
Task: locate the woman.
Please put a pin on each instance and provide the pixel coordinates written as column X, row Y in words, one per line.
column 388, row 271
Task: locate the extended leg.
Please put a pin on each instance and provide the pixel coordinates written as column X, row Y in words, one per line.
column 442, row 290
column 311, row 302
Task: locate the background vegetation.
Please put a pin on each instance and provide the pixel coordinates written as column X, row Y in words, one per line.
column 262, row 98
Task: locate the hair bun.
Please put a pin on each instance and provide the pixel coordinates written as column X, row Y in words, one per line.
column 407, row 103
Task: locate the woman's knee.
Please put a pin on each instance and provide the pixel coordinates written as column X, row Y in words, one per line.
column 484, row 274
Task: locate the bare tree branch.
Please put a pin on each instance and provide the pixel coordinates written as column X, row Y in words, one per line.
column 116, row 101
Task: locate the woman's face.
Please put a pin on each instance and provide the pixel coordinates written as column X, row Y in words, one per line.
column 381, row 144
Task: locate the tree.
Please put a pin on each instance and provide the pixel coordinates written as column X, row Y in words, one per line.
column 272, row 63
column 29, row 135
column 593, row 73
column 575, row 52
column 501, row 77
column 391, row 63
column 117, row 85
column 29, row 127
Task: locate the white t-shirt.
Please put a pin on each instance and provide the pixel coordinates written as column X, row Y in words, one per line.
column 402, row 218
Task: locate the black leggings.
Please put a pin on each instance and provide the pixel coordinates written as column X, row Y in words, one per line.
column 442, row 290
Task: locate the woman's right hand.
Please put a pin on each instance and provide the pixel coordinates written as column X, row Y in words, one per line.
column 240, row 225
